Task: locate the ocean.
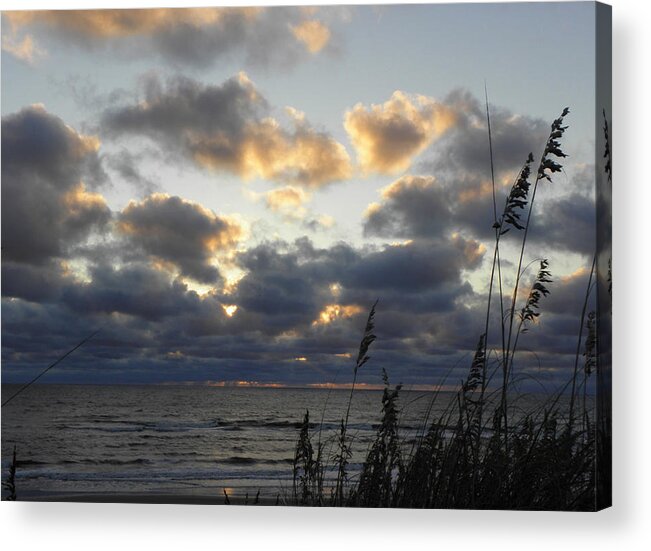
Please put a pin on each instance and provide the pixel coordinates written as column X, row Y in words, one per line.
column 181, row 440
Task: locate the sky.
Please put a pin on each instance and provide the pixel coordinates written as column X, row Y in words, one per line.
column 224, row 192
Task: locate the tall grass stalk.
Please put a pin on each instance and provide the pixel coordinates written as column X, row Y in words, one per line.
column 9, row 485
column 546, row 169
column 362, row 357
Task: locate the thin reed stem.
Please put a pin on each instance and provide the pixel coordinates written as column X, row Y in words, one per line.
column 578, row 344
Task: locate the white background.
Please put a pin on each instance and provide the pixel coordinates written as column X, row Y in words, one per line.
column 625, row 526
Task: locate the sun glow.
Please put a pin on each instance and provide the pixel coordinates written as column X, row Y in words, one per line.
column 335, row 289
column 333, row 312
column 244, row 384
column 229, row 309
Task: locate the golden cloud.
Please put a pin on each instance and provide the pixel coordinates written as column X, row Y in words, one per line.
column 333, row 312
column 303, row 156
column 473, row 250
column 388, row 136
column 288, row 200
column 196, row 36
column 115, row 23
column 24, row 49
column 313, row 34
column 420, row 183
column 78, row 201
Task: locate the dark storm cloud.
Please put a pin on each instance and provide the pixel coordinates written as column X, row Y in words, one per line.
column 147, row 313
column 135, row 290
column 180, row 232
column 425, row 207
column 568, row 294
column 229, row 128
column 196, row 37
column 412, row 206
column 290, row 289
column 412, row 268
column 46, row 207
column 154, row 328
column 40, row 283
column 420, row 207
column 465, row 146
column 567, row 223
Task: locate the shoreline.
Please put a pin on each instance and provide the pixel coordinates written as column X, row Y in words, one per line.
column 148, row 498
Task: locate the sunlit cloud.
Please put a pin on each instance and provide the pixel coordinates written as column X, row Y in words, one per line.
column 241, row 384
column 473, row 250
column 25, row 49
column 302, row 156
column 388, row 136
column 335, row 289
column 230, row 128
column 194, row 36
column 79, row 202
column 115, row 23
column 289, row 200
column 314, row 34
column 333, row 312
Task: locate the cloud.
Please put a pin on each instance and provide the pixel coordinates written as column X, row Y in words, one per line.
column 411, row 207
column 567, row 223
column 46, row 205
column 411, row 268
column 458, row 197
column 288, row 287
column 287, row 200
column 314, row 34
column 290, row 203
column 568, row 294
column 198, row 37
column 179, row 232
column 465, row 147
column 42, row 283
column 25, row 49
column 457, row 193
column 228, row 127
column 135, row 290
column 388, row 136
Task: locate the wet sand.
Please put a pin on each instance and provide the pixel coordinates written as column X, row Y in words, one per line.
column 152, row 498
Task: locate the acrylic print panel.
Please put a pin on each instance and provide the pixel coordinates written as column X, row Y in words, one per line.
column 350, row 256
